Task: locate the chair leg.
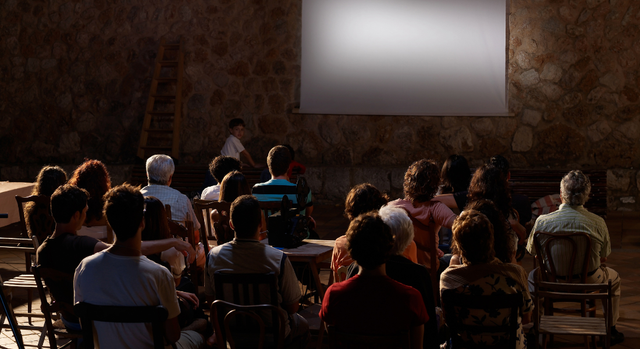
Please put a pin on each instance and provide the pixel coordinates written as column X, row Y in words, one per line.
column 544, row 341
column 321, row 330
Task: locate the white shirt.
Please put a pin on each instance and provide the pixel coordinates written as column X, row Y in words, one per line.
column 211, row 193
column 232, row 147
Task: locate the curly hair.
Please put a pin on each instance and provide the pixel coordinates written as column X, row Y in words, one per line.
column 369, row 240
column 455, row 175
column 48, row 180
column 490, row 183
column 38, row 216
column 503, row 245
column 473, row 237
column 221, row 165
column 421, row 181
column 93, row 176
column 363, row 198
column 575, row 188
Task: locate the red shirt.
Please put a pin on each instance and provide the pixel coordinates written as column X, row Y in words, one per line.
column 373, row 305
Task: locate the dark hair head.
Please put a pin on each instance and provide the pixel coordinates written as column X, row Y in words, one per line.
column 156, row 225
column 291, row 151
column 66, row 201
column 369, row 240
column 93, row 176
column 246, row 216
column 235, row 122
column 363, row 198
column 222, row 165
column 124, row 208
column 278, row 160
column 502, row 241
column 491, row 183
column 473, row 237
column 421, row 180
column 233, row 185
column 455, row 174
column 500, row 162
column 48, row 180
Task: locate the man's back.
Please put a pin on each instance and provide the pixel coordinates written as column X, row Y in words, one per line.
column 181, row 208
column 109, row 279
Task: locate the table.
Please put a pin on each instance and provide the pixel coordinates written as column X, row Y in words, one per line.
column 8, row 192
column 312, row 252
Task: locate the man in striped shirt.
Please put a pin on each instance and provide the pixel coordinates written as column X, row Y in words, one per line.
column 573, row 217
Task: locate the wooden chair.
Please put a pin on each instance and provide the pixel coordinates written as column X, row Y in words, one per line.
column 462, row 329
column 187, row 233
column 5, row 300
column 228, row 311
column 25, row 281
column 155, row 315
column 57, row 329
column 573, row 325
column 341, row 340
column 249, row 289
column 219, row 230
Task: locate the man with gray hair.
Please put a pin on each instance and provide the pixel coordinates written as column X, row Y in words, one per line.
column 160, row 170
column 573, row 217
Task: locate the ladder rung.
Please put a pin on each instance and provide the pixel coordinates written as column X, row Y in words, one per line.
column 164, row 96
column 168, row 63
column 171, row 46
column 158, row 147
column 166, row 79
column 159, row 130
column 160, row 113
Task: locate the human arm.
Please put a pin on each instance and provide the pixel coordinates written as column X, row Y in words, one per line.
column 288, row 286
column 416, row 336
column 192, row 298
column 448, row 200
column 172, row 330
column 246, row 154
column 157, row 246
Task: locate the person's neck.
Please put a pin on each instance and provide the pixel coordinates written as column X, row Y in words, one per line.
column 130, row 247
column 65, row 228
column 380, row 270
column 284, row 176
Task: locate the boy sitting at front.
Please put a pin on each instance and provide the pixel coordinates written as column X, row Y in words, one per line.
column 233, row 147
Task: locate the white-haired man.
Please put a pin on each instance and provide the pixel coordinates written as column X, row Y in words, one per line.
column 160, row 170
column 573, row 217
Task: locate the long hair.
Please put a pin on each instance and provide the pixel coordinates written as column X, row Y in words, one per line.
column 93, row 176
column 490, row 183
column 232, row 186
column 156, row 224
column 502, row 243
column 455, row 175
column 363, row 198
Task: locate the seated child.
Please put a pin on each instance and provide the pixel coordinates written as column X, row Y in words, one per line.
column 233, row 147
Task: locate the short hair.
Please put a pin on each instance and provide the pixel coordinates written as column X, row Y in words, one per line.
column 156, row 224
column 160, row 168
column 236, row 122
column 246, row 216
column 473, row 237
column 363, row 198
column 278, row 160
column 66, row 201
column 369, row 240
column 504, row 245
column 500, row 162
column 92, row 176
column 124, row 208
column 455, row 174
column 233, row 185
column 48, row 180
column 421, row 180
column 401, row 227
column 575, row 188
column 221, row 165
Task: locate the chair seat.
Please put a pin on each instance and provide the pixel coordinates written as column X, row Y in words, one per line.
column 22, row 281
column 573, row 325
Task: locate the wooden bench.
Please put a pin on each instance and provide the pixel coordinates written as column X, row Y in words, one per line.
column 538, row 183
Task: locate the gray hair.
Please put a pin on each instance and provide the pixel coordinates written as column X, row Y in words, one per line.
column 575, row 188
column 159, row 169
column 401, row 227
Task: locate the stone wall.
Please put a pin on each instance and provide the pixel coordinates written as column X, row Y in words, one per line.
column 75, row 76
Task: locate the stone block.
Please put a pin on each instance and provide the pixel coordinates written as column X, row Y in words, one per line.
column 458, row 139
column 619, row 180
column 338, row 180
column 522, row 140
column 483, row 126
column 378, row 177
column 531, row 117
column 598, row 131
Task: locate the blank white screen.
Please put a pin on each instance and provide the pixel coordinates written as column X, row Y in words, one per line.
column 403, row 57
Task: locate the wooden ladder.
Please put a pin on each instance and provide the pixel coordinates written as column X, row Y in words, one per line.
column 161, row 126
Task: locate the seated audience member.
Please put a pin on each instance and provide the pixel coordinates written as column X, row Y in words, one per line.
column 278, row 162
column 519, row 202
column 482, row 274
column 122, row 270
column 362, row 198
column 160, row 170
column 219, row 168
column 455, row 175
column 38, row 217
column 300, row 168
column 573, row 217
column 420, row 184
column 245, row 254
column 371, row 303
column 233, row 185
column 505, row 240
column 405, row 271
column 93, row 177
column 64, row 249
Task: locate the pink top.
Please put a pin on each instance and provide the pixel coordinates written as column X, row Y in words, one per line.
column 427, row 218
column 341, row 255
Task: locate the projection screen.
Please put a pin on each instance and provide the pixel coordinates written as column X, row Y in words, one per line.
column 403, row 57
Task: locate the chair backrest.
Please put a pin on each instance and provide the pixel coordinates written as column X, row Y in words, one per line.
column 342, row 340
column 155, row 315
column 226, row 316
column 5, row 301
column 221, row 229
column 458, row 307
column 341, row 274
column 45, row 222
column 563, row 255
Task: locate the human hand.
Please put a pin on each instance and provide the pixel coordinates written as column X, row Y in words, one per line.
column 186, row 249
column 190, row 297
column 312, row 223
